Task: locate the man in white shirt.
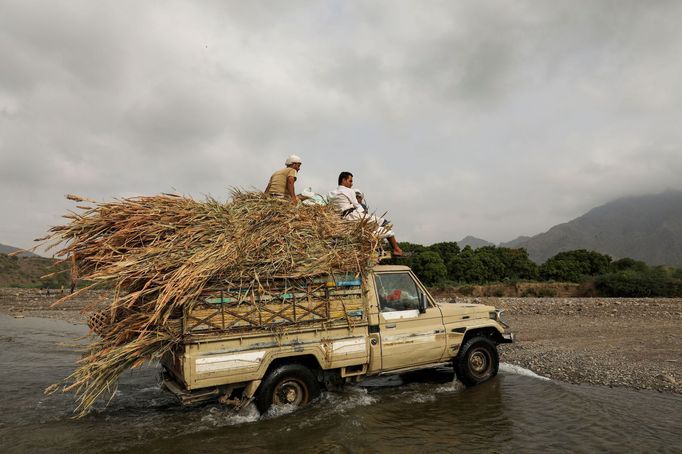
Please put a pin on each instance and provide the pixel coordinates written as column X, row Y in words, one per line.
column 344, row 201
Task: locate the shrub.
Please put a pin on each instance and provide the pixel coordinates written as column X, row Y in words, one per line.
column 529, row 292
column 574, row 266
column 546, row 292
column 466, row 290
column 629, row 283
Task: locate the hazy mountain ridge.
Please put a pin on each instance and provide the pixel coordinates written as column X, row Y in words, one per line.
column 514, row 243
column 5, row 249
column 473, row 242
column 647, row 228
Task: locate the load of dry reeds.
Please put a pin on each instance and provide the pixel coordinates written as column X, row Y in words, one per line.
column 159, row 253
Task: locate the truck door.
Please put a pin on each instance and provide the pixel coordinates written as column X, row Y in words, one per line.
column 408, row 337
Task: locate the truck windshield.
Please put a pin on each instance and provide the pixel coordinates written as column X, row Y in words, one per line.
column 397, row 292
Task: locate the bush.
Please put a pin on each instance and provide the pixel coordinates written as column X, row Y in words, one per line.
column 651, row 283
column 498, row 292
column 546, row 292
column 574, row 266
column 529, row 292
column 628, row 264
column 466, row 290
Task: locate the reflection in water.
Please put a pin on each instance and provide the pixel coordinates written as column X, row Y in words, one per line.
column 417, row 412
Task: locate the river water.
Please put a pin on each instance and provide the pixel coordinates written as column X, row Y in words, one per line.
column 425, row 412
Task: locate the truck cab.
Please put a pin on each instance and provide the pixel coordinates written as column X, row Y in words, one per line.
column 282, row 344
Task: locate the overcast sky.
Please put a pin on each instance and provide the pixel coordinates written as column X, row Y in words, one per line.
column 489, row 118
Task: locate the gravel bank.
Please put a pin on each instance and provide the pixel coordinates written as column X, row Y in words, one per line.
column 634, row 343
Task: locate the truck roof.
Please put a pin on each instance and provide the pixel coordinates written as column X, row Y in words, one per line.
column 391, row 268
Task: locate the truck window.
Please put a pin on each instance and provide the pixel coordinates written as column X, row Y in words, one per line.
column 397, row 292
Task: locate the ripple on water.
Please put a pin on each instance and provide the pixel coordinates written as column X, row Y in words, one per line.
column 518, row 411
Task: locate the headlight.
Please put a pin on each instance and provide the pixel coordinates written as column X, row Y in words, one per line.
column 497, row 316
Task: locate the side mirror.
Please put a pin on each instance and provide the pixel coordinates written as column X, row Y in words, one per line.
column 422, row 303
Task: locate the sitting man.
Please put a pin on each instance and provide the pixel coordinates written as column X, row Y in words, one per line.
column 281, row 183
column 344, row 201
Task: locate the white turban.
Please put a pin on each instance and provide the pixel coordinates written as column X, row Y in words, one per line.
column 293, row 159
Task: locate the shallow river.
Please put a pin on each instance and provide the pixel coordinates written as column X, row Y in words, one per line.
column 427, row 412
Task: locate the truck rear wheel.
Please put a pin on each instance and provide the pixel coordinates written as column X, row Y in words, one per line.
column 291, row 384
column 477, row 361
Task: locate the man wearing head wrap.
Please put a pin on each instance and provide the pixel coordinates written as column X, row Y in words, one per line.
column 281, row 183
column 359, row 196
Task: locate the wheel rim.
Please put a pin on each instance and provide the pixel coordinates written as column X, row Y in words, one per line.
column 290, row 392
column 480, row 362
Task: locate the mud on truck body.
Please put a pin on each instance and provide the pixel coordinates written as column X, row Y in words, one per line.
column 285, row 341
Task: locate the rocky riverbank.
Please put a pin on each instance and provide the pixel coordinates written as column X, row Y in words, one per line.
column 634, row 343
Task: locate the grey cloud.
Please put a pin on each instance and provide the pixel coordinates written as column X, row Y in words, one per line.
column 487, row 118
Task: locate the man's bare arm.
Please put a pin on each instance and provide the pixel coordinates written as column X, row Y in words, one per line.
column 290, row 188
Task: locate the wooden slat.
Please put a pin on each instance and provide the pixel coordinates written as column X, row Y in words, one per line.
column 288, row 303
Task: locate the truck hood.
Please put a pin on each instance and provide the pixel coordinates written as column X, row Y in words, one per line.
column 455, row 311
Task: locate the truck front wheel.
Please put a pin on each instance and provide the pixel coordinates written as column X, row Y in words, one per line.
column 477, row 361
column 291, row 384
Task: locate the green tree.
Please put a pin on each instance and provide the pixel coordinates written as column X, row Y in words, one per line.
column 429, row 266
column 652, row 282
column 517, row 264
column 446, row 250
column 411, row 250
column 467, row 267
column 493, row 267
column 628, row 264
column 575, row 266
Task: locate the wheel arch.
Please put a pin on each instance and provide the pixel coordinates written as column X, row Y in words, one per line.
column 308, row 359
column 488, row 332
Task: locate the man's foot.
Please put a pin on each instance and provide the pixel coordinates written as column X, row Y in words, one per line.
column 397, row 252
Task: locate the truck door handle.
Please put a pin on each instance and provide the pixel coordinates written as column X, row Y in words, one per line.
column 390, row 325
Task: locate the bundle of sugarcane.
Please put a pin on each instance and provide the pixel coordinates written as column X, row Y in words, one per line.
column 160, row 253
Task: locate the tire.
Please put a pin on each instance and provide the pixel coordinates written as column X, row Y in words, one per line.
column 477, row 361
column 292, row 384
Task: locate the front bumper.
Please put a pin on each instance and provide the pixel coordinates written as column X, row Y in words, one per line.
column 507, row 338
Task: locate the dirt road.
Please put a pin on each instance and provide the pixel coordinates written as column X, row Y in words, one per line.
column 635, row 343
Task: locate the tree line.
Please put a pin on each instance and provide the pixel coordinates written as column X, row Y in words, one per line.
column 446, row 265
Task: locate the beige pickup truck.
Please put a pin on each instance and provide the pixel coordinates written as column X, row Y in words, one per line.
column 283, row 342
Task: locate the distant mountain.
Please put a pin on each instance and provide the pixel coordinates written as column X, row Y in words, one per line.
column 473, row 242
column 515, row 243
column 647, row 228
column 4, row 249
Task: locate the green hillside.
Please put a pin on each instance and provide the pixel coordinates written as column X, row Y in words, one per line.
column 27, row 272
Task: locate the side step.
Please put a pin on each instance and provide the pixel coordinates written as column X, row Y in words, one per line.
column 190, row 397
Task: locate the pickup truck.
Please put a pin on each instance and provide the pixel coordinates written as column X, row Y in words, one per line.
column 283, row 342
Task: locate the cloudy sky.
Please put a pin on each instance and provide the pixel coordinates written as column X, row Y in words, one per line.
column 490, row 118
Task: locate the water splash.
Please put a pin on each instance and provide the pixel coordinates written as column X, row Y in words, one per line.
column 518, row 370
